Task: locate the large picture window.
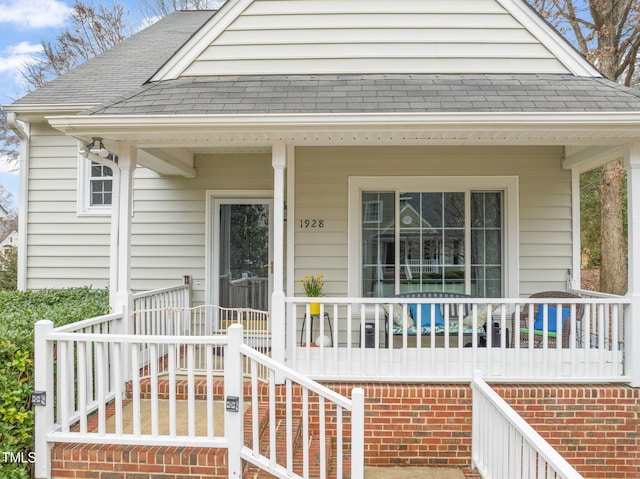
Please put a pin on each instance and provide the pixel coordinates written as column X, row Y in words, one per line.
column 432, row 239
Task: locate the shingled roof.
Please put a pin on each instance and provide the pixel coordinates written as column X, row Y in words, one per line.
column 123, row 68
column 375, row 93
column 117, row 83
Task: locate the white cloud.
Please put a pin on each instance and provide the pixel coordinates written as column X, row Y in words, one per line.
column 34, row 13
column 12, row 62
column 14, row 57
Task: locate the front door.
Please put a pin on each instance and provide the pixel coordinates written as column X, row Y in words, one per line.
column 242, row 253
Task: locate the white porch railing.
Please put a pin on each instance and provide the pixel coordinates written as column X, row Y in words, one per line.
column 504, row 445
column 355, row 339
column 205, row 320
column 90, row 401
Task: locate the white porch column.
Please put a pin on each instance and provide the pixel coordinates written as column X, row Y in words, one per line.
column 278, row 309
column 632, row 326
column 121, row 232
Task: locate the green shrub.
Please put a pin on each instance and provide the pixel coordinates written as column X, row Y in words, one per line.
column 19, row 311
column 9, row 269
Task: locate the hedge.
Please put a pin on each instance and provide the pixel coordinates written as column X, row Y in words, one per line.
column 19, row 311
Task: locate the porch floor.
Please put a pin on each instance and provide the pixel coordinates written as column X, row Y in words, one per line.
column 182, row 416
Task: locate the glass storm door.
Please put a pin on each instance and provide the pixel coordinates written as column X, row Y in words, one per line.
column 243, row 254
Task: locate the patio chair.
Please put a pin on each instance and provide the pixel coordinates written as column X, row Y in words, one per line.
column 538, row 335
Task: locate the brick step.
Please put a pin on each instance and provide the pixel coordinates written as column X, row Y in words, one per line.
column 314, row 456
column 254, row 472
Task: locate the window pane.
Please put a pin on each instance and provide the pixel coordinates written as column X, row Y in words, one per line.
column 454, row 210
column 432, row 254
column 101, row 192
column 432, row 209
column 486, row 244
column 99, row 171
column 378, row 244
column 427, row 244
column 100, row 185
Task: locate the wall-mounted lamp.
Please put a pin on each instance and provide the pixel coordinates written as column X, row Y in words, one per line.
column 96, row 147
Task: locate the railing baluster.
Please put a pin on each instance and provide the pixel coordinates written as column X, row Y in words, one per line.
column 118, row 384
column 305, row 432
column 82, row 385
column 153, row 379
column 273, row 453
column 289, row 424
column 135, row 392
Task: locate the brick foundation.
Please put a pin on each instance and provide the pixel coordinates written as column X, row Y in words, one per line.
column 596, row 428
column 136, row 462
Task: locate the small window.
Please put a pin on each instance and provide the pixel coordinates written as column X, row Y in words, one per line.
column 101, row 183
column 95, row 187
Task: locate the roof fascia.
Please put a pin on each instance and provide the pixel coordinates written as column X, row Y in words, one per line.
column 201, row 40
column 322, row 121
column 550, row 38
column 38, row 111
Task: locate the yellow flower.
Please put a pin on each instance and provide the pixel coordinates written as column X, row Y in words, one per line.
column 312, row 285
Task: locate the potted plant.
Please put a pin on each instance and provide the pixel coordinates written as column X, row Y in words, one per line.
column 313, row 288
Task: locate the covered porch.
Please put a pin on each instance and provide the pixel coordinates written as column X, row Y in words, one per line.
column 336, row 206
column 193, row 377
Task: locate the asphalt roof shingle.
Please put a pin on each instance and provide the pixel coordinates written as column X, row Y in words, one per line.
column 375, row 93
column 124, row 67
column 117, row 81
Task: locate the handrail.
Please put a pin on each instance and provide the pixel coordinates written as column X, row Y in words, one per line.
column 86, row 323
column 505, row 445
column 289, row 373
column 606, row 299
column 157, row 291
column 598, row 294
column 325, row 399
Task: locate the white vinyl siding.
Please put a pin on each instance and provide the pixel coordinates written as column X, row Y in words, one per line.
column 545, row 231
column 63, row 250
column 375, row 36
column 169, row 221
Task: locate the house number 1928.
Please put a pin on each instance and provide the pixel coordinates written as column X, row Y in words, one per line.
column 312, row 223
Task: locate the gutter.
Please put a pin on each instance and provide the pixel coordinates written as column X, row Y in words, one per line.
column 23, row 130
column 232, row 122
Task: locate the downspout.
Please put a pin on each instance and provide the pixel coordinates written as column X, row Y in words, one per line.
column 115, row 226
column 23, row 130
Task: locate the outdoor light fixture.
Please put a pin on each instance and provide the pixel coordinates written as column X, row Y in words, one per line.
column 96, row 147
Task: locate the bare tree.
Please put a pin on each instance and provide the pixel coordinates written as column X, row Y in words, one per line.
column 9, row 142
column 162, row 8
column 607, row 32
column 92, row 30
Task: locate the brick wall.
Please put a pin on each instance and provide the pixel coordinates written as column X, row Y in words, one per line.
column 136, row 462
column 596, row 428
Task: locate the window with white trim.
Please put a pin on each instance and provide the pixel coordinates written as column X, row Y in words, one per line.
column 432, row 238
column 95, row 187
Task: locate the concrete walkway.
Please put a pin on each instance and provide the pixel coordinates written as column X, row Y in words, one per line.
column 412, row 473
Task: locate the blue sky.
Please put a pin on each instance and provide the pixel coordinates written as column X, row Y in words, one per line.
column 23, row 26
